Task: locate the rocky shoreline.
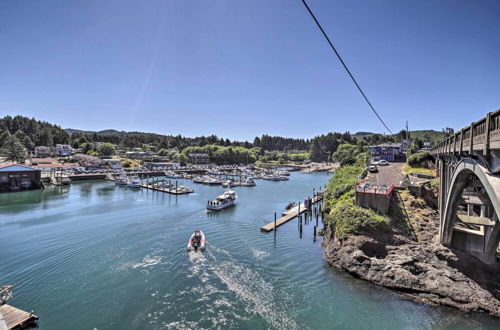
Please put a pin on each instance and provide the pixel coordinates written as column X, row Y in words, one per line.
column 414, row 264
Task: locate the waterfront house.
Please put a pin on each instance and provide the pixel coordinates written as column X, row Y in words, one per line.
column 16, row 177
column 48, row 167
column 199, row 158
column 138, row 154
column 160, row 165
column 42, row 152
column 63, row 150
column 113, row 163
column 73, row 167
column 386, row 151
column 89, row 162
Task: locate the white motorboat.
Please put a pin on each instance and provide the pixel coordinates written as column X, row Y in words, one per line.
column 271, row 177
column 172, row 175
column 65, row 179
column 248, row 182
column 196, row 241
column 134, row 183
column 229, row 184
column 228, row 198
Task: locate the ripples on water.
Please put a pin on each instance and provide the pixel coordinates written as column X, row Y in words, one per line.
column 97, row 255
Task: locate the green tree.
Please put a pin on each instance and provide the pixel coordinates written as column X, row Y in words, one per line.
column 28, row 144
column 106, row 149
column 86, row 147
column 3, row 137
column 181, row 158
column 13, row 150
column 345, row 154
column 316, row 155
column 45, row 138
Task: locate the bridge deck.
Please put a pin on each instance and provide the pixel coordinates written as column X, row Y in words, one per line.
column 481, row 136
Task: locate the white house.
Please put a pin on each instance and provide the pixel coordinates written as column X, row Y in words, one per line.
column 63, row 150
column 42, row 152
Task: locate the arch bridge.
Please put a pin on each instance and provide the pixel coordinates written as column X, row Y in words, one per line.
column 469, row 188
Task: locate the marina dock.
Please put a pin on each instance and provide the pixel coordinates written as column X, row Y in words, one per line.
column 291, row 214
column 14, row 318
column 170, row 189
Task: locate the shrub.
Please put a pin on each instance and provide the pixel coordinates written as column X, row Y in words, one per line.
column 419, row 159
column 349, row 219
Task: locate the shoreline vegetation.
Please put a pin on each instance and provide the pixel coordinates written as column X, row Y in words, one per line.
column 401, row 250
column 20, row 135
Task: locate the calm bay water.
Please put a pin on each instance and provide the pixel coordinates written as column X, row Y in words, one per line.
column 95, row 255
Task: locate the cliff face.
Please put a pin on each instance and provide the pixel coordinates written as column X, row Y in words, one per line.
column 415, row 265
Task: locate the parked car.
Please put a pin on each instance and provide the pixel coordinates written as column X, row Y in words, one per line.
column 383, row 162
column 373, row 169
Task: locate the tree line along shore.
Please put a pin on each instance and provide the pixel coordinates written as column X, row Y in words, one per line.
column 20, row 135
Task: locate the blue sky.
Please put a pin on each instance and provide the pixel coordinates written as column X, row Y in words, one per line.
column 242, row 68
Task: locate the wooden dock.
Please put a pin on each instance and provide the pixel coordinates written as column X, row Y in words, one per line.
column 290, row 214
column 15, row 318
column 173, row 190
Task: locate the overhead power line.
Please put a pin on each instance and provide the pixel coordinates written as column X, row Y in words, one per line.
column 345, row 66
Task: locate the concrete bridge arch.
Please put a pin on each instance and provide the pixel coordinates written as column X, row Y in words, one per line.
column 478, row 234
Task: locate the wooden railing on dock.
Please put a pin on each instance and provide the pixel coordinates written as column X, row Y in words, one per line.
column 291, row 214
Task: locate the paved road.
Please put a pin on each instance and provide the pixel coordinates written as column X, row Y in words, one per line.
column 388, row 175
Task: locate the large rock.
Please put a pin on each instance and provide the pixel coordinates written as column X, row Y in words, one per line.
column 424, row 273
column 417, row 266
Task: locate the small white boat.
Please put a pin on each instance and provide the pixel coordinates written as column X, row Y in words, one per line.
column 134, row 183
column 172, row 175
column 25, row 183
column 271, row 177
column 248, row 182
column 65, row 179
column 229, row 184
column 196, row 241
column 227, row 199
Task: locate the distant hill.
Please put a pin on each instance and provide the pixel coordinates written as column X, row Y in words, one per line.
column 423, row 135
column 362, row 134
column 103, row 132
column 430, row 135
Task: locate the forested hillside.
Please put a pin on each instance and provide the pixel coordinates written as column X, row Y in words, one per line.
column 30, row 132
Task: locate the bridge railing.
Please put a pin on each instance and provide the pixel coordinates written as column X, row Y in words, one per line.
column 481, row 136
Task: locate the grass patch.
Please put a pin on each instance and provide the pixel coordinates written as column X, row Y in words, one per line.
column 407, row 169
column 354, row 220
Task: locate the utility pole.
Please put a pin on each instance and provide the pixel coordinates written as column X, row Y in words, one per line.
column 407, row 142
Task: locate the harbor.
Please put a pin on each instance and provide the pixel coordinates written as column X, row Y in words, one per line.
column 122, row 251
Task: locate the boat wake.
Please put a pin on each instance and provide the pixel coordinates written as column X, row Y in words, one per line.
column 226, row 293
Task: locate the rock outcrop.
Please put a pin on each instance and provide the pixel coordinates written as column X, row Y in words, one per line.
column 415, row 265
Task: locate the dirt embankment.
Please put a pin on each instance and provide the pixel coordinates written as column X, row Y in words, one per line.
column 410, row 260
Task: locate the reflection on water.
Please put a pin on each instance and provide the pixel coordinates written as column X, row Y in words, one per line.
column 115, row 258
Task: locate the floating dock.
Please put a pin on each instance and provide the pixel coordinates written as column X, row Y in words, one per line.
column 172, row 190
column 14, row 318
column 291, row 214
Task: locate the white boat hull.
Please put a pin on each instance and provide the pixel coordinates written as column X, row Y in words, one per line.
column 202, row 246
column 218, row 207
